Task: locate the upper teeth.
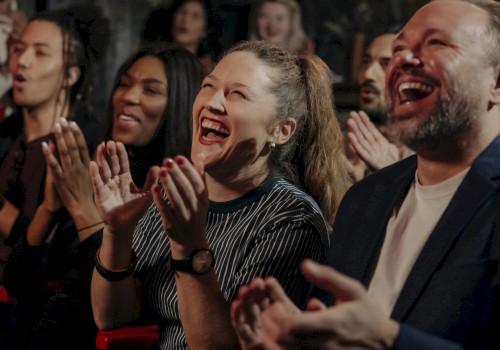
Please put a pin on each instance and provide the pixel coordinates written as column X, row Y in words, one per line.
column 207, row 124
column 415, row 86
column 126, row 117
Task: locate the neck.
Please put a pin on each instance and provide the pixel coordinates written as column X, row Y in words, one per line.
column 193, row 47
column 40, row 121
column 223, row 189
column 455, row 154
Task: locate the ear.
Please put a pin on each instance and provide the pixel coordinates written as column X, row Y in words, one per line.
column 284, row 131
column 73, row 75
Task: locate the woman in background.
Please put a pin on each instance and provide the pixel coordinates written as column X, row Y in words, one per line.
column 190, row 24
column 279, row 22
column 50, row 267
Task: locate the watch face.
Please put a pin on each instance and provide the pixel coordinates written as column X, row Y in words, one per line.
column 203, row 261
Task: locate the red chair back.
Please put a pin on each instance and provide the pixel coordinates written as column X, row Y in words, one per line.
column 138, row 337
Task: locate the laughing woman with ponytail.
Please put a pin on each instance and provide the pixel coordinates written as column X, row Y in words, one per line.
column 257, row 197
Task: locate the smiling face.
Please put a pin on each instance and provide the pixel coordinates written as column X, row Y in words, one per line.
column 139, row 102
column 274, row 23
column 439, row 78
column 372, row 76
column 233, row 116
column 36, row 64
column 189, row 24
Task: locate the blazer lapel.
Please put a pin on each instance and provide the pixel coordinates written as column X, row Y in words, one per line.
column 475, row 189
column 360, row 247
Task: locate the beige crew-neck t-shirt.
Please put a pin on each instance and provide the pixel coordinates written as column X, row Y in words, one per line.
column 407, row 231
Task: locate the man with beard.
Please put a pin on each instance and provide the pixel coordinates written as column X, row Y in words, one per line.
column 369, row 135
column 415, row 246
column 372, row 78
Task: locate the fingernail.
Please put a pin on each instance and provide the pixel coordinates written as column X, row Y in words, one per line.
column 168, row 163
column 311, row 266
column 63, row 122
column 179, row 160
column 156, row 188
column 45, row 146
column 73, row 126
column 58, row 128
column 163, row 173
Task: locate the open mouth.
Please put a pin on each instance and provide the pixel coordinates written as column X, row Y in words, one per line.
column 19, row 78
column 19, row 81
column 413, row 91
column 128, row 118
column 212, row 130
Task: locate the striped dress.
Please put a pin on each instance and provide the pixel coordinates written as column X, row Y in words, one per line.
column 267, row 232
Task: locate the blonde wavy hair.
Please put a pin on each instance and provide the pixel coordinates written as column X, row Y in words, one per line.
column 297, row 36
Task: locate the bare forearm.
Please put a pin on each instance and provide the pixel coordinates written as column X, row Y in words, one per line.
column 204, row 312
column 8, row 215
column 115, row 302
column 87, row 220
column 40, row 227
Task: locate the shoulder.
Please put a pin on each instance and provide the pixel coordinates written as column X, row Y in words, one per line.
column 12, row 126
column 280, row 197
column 387, row 176
column 287, row 204
column 274, row 205
column 308, row 47
column 10, row 129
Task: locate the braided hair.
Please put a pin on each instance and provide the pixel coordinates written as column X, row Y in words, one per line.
column 86, row 34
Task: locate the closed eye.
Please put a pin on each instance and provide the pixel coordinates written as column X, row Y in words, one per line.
column 436, row 42
column 238, row 92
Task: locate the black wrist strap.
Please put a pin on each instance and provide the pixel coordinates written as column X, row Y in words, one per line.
column 114, row 276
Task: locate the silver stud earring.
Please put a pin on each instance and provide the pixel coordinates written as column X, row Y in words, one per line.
column 272, row 145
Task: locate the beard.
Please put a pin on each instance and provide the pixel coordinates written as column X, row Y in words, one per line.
column 455, row 112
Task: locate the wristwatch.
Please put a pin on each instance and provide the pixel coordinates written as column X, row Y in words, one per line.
column 200, row 262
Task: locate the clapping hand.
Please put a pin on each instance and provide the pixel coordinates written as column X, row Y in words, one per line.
column 120, row 203
column 369, row 143
column 185, row 207
column 70, row 172
column 253, row 300
column 353, row 322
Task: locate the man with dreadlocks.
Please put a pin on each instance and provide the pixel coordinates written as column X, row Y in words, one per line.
column 52, row 67
column 51, row 64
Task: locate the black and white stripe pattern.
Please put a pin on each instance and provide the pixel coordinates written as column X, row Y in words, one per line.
column 266, row 232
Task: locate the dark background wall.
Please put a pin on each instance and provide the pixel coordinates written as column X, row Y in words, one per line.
column 340, row 29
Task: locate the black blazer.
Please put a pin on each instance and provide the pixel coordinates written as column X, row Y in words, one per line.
column 453, row 290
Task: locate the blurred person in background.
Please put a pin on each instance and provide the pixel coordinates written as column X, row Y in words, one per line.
column 279, row 22
column 190, row 24
column 12, row 23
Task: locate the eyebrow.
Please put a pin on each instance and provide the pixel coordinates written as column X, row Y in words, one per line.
column 36, row 44
column 427, row 32
column 147, row 80
column 235, row 84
